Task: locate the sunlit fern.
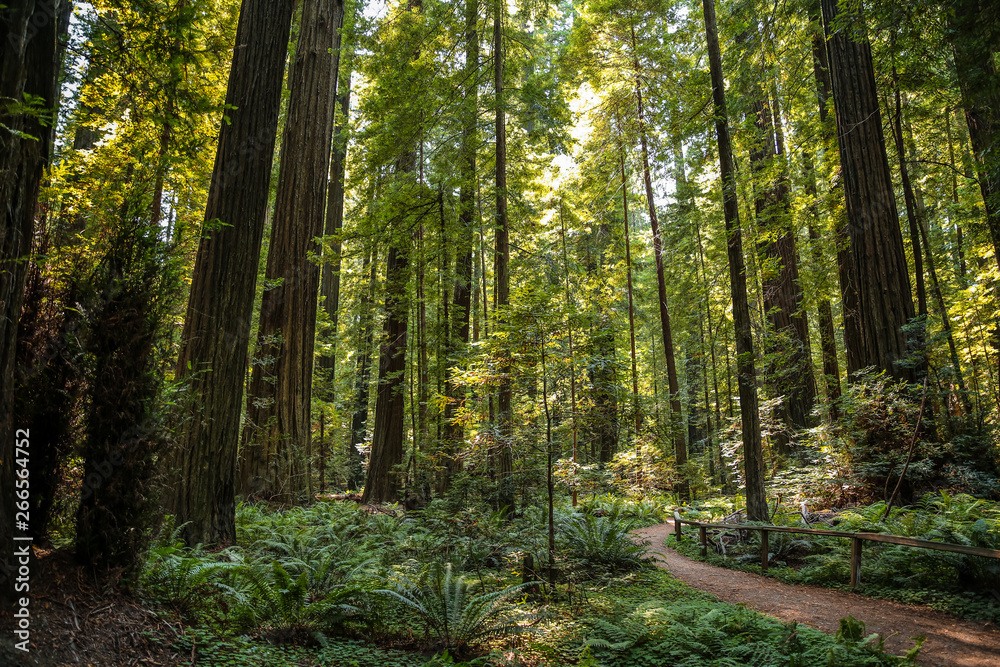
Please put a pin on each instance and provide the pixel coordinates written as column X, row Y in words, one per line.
column 454, row 613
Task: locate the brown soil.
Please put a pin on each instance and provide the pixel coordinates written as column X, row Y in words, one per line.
column 950, row 640
column 80, row 620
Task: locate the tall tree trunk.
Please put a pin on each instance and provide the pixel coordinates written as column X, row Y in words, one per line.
column 753, row 458
column 885, row 303
column 569, row 329
column 501, row 277
column 974, row 29
column 921, row 218
column 845, row 260
column 788, row 335
column 911, row 205
column 330, row 279
column 458, row 333
column 382, row 483
column 359, row 418
column 959, row 247
column 213, row 355
column 637, row 412
column 677, row 418
column 29, row 65
column 276, row 441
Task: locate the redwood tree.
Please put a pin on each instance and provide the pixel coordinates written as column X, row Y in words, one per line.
column 276, row 440
column 880, row 273
column 28, row 65
column 753, row 458
column 213, row 354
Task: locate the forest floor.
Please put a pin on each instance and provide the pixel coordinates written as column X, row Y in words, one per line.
column 78, row 620
column 950, row 640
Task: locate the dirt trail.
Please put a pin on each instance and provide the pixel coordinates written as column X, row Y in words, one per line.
column 950, row 641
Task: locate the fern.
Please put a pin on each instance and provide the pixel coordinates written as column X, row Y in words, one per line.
column 454, row 613
column 602, row 541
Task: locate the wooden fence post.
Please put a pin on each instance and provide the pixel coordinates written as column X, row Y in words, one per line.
column 703, row 534
column 764, row 550
column 855, row 561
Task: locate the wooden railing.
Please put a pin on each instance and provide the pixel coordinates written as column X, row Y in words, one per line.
column 856, row 541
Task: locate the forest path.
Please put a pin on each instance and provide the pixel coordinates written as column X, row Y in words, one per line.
column 950, row 640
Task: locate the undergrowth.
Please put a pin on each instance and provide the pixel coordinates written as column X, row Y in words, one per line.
column 968, row 586
column 331, row 584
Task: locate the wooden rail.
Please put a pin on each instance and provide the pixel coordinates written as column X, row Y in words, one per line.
column 856, row 541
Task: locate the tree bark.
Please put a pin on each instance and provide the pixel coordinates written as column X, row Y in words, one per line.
column 213, row 355
column 757, row 509
column 788, row 334
column 276, row 440
column 29, row 50
column 845, row 261
column 974, row 28
column 880, row 273
column 330, row 281
column 501, row 277
column 677, row 420
column 382, row 483
column 359, row 418
column 458, row 330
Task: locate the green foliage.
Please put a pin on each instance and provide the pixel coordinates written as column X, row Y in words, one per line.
column 966, row 585
column 864, row 452
column 601, row 541
column 453, row 612
column 695, row 633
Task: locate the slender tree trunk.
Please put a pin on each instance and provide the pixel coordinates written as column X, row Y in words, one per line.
column 501, row 277
column 636, row 410
column 757, row 509
column 276, row 441
column 921, row 224
column 330, row 280
column 885, row 302
column 911, row 204
column 213, row 355
column 382, row 483
column 359, row 418
column 569, row 329
column 458, row 333
column 677, row 418
column 959, row 247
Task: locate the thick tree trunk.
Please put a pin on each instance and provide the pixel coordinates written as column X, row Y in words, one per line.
column 382, row 484
column 974, row 28
column 788, row 334
column 753, row 458
column 881, row 276
column 276, row 441
column 501, row 277
column 29, row 51
column 213, row 354
column 845, row 261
